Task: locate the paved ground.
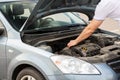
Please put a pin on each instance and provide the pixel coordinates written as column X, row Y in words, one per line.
column 111, row 25
column 108, row 24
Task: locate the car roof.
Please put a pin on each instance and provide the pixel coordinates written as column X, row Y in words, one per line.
column 17, row 0
column 8, row 0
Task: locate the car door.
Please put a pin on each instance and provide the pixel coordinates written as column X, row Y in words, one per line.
column 3, row 40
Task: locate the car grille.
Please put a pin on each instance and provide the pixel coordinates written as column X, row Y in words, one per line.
column 114, row 64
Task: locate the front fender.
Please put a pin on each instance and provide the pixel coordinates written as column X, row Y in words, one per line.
column 41, row 63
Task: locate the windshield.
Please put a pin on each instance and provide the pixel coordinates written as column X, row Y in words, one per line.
column 17, row 12
column 57, row 22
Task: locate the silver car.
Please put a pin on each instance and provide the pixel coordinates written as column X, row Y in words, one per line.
column 33, row 39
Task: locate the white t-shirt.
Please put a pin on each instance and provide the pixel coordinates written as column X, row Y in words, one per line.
column 108, row 8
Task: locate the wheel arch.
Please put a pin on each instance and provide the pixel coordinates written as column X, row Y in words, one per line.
column 26, row 60
column 23, row 66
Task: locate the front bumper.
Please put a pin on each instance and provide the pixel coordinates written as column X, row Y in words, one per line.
column 106, row 74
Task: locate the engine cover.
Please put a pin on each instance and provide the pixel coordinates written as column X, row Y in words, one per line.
column 103, row 40
column 88, row 49
column 85, row 50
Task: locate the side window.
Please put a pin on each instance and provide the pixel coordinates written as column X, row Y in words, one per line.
column 19, row 14
column 16, row 13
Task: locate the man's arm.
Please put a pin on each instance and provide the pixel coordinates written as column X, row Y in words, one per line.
column 94, row 24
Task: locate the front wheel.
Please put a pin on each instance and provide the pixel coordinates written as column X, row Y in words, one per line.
column 29, row 74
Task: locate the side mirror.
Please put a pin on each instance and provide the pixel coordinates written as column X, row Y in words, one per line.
column 1, row 30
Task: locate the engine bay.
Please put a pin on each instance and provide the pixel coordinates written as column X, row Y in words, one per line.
column 98, row 47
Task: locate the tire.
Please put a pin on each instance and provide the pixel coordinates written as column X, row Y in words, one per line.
column 29, row 74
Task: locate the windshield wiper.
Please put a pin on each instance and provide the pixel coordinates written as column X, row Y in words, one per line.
column 46, row 30
column 75, row 25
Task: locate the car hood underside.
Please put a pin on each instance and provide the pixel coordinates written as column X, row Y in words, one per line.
column 47, row 7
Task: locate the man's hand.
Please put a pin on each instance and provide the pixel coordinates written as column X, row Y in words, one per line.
column 86, row 32
column 72, row 43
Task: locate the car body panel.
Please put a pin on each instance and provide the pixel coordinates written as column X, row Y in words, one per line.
column 3, row 41
column 32, row 57
column 3, row 59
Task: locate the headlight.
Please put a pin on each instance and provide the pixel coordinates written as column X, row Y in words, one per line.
column 73, row 65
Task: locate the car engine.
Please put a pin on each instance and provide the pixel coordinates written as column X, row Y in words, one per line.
column 88, row 49
column 97, row 44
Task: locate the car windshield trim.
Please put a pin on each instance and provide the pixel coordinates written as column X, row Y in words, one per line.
column 57, row 28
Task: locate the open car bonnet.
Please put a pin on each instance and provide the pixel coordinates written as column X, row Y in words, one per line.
column 47, row 7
